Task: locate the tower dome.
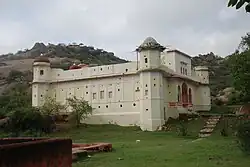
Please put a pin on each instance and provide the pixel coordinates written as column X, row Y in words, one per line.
column 150, row 44
column 42, row 59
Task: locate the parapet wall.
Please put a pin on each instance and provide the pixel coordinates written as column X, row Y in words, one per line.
column 37, row 152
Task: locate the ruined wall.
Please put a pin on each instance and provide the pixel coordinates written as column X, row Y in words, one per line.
column 27, row 152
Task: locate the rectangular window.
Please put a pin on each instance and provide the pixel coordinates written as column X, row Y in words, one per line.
column 41, row 72
column 181, row 70
column 102, row 94
column 94, row 95
column 110, row 94
column 146, row 92
column 186, row 71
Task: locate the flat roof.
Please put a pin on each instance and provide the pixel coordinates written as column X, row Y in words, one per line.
column 175, row 50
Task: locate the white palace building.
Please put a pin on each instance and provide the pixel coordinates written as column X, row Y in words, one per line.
column 162, row 84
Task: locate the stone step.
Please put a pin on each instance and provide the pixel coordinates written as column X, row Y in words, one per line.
column 204, row 135
column 211, row 123
column 214, row 119
column 207, row 130
column 210, row 126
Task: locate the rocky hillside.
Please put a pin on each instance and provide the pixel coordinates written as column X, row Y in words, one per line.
column 219, row 72
column 61, row 56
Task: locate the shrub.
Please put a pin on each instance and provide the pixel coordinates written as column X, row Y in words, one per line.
column 243, row 135
column 80, row 110
column 183, row 130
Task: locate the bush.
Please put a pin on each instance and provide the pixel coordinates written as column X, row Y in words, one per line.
column 183, row 130
column 243, row 135
column 80, row 110
column 28, row 120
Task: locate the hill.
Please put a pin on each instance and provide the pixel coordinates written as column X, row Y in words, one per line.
column 219, row 73
column 61, row 56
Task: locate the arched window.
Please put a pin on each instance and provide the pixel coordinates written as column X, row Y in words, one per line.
column 184, row 93
column 190, row 96
column 179, row 93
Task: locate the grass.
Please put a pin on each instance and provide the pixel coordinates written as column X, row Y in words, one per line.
column 158, row 149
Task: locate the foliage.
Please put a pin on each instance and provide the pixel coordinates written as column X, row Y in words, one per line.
column 245, row 42
column 15, row 98
column 16, row 76
column 80, row 109
column 28, row 120
column 51, row 107
column 240, row 70
column 239, row 3
column 183, row 130
column 243, row 135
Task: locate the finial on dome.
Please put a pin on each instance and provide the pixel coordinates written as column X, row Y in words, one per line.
column 150, row 44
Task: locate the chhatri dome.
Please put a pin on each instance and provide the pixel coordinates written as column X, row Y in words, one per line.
column 42, row 59
column 150, row 43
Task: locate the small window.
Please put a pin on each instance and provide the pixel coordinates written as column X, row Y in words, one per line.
column 41, row 72
column 146, row 109
column 186, row 71
column 120, row 105
column 134, row 104
column 181, row 70
column 110, row 94
column 102, row 94
column 94, row 95
column 118, row 90
column 146, row 85
column 99, row 106
column 101, row 69
column 107, row 106
column 146, row 92
column 41, row 95
column 154, row 85
column 87, row 93
column 126, row 70
column 146, row 60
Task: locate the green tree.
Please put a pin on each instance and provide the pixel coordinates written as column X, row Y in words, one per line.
column 239, row 3
column 80, row 109
column 51, row 107
column 240, row 69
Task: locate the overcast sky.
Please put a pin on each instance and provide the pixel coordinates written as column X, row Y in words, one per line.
column 193, row 26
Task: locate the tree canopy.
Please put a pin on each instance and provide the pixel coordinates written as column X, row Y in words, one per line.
column 239, row 3
column 240, row 68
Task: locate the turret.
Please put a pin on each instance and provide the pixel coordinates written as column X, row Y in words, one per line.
column 41, row 69
column 202, row 73
column 151, row 92
column 41, row 78
column 150, row 54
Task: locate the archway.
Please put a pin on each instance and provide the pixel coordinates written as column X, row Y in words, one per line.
column 184, row 92
column 189, row 96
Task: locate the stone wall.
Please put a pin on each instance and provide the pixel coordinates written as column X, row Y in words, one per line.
column 38, row 152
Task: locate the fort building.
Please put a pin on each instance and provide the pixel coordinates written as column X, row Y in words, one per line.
column 147, row 92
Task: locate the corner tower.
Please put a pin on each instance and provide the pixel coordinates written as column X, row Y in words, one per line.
column 41, row 78
column 151, row 81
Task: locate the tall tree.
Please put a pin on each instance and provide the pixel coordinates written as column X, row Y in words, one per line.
column 240, row 68
column 239, row 3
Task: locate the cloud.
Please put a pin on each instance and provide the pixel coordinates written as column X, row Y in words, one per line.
column 119, row 26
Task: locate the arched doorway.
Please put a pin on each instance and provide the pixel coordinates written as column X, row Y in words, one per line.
column 189, row 96
column 184, row 92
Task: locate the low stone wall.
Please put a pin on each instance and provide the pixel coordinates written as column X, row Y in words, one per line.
column 35, row 152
